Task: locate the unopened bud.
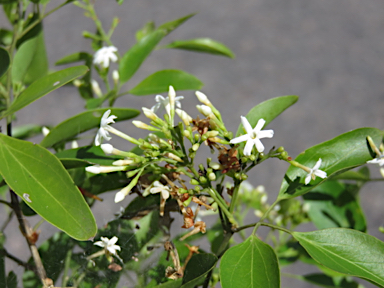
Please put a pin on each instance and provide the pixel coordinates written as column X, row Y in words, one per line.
column 194, row 182
column 107, row 148
column 259, row 213
column 45, row 131
column 96, row 169
column 123, row 162
column 184, row 116
column 173, row 156
column 215, row 166
column 203, row 180
column 74, row 144
column 212, row 176
column 115, row 76
column 186, row 133
column 203, row 98
column 195, row 146
column 142, row 125
column 96, row 88
column 204, row 109
column 150, row 114
column 77, row 83
column 263, row 199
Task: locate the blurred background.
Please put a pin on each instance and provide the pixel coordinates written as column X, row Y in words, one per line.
column 330, row 53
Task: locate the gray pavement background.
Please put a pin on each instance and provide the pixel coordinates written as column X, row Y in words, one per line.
column 329, row 52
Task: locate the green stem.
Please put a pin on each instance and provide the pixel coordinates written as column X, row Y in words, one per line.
column 262, row 224
column 66, row 268
column 264, row 216
column 219, row 200
column 234, row 196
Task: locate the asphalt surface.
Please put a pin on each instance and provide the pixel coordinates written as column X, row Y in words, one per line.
column 328, row 52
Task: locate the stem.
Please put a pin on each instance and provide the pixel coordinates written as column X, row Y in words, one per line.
column 264, row 216
column 6, row 203
column 219, row 200
column 66, row 268
column 262, row 224
column 234, row 196
column 17, row 260
column 10, row 215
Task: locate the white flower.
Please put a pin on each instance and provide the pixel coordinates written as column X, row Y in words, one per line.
column 103, row 132
column 108, row 244
column 253, row 136
column 158, row 187
column 315, row 172
column 378, row 160
column 45, row 131
column 161, row 101
column 104, row 55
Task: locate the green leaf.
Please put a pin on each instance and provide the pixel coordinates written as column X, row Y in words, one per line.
column 41, row 181
column 335, row 204
column 170, row 284
column 330, row 282
column 346, row 251
column 252, row 263
column 205, row 45
column 197, row 269
column 83, row 122
column 268, row 110
column 147, row 29
column 26, row 131
column 338, row 155
column 160, row 81
column 43, row 86
column 4, row 61
column 75, row 57
column 5, row 37
column 168, row 27
column 90, row 154
column 11, row 280
column 135, row 56
column 30, row 62
column 351, row 175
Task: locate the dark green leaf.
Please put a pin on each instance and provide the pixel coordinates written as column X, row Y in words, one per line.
column 205, row 45
column 170, row 284
column 346, row 251
column 135, row 56
column 75, row 57
column 160, row 81
column 105, row 182
column 172, row 25
column 335, row 204
column 26, row 131
column 43, row 86
column 351, row 175
column 4, row 61
column 41, row 181
column 338, row 155
column 252, row 263
column 30, row 62
column 83, row 122
column 90, row 154
column 5, row 37
column 11, row 280
column 268, row 110
column 197, row 269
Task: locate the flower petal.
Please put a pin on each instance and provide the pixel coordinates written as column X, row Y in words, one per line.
column 321, row 174
column 248, row 147
column 259, row 125
column 317, row 165
column 307, row 179
column 113, row 240
column 259, row 145
column 265, row 134
column 246, row 125
column 239, row 139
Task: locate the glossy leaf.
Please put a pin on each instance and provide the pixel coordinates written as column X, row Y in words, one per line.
column 160, row 81
column 41, row 181
column 346, row 251
column 90, row 154
column 30, row 62
column 197, row 269
column 205, row 45
column 252, row 263
column 168, row 27
column 4, row 61
column 43, row 86
column 335, row 204
column 268, row 110
column 338, row 155
column 135, row 56
column 83, row 122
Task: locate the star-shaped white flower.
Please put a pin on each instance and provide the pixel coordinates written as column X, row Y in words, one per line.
column 253, row 136
column 104, row 55
column 160, row 188
column 103, row 130
column 164, row 102
column 378, row 160
column 315, row 172
column 108, row 244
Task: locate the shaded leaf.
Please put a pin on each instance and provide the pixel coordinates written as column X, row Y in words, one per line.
column 252, row 263
column 83, row 122
column 323, row 280
column 43, row 86
column 75, row 57
column 147, row 29
column 346, row 251
column 41, row 181
column 4, row 61
column 205, row 45
column 197, row 269
column 134, row 57
column 340, row 154
column 351, row 175
column 89, row 154
column 170, row 284
column 268, row 110
column 335, row 204
column 160, row 81
column 26, row 131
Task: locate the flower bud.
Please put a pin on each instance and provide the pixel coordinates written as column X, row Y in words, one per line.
column 173, row 156
column 194, row 182
column 77, row 83
column 96, row 88
column 124, row 162
column 186, row 133
column 115, row 77
column 203, row 180
column 45, row 131
column 184, row 116
column 204, row 109
column 142, row 125
column 96, row 169
column 215, row 166
column 150, row 114
column 259, row 213
column 107, row 148
column 119, row 196
column 212, row 176
column 195, row 146
column 203, row 98
column 263, row 199
column 74, row 144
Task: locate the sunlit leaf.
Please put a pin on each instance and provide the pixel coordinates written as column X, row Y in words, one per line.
column 160, row 81
column 338, row 155
column 83, row 122
column 43, row 86
column 346, row 251
column 268, row 110
column 41, row 181
column 204, row 45
column 252, row 263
